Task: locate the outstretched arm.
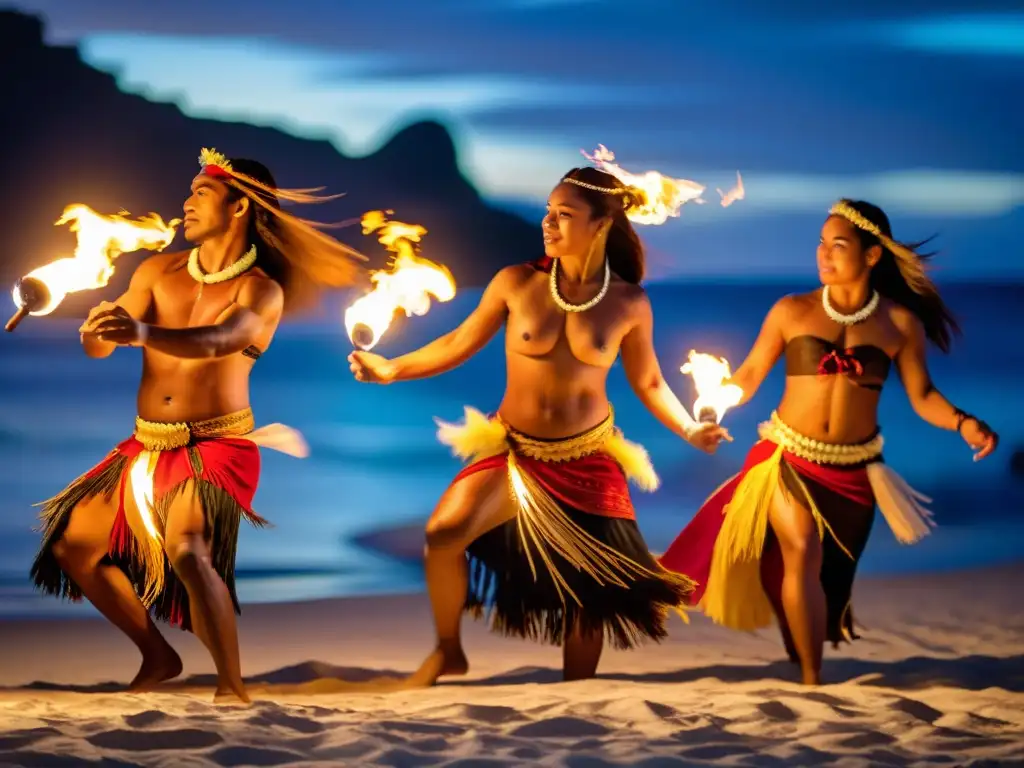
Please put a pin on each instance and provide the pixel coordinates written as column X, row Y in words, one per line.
column 644, row 375
column 765, row 353
column 258, row 306
column 451, row 350
column 135, row 302
column 924, row 396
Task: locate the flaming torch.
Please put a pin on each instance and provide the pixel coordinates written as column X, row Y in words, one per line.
column 100, row 240
column 665, row 196
column 407, row 284
column 714, row 396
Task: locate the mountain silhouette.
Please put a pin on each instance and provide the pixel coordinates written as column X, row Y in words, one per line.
column 73, row 136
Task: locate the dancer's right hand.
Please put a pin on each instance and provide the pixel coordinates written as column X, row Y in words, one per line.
column 371, row 368
column 707, row 437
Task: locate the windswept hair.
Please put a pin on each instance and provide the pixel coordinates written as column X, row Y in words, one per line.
column 901, row 273
column 293, row 251
column 606, row 195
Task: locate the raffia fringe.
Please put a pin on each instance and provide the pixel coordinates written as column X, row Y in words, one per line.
column 734, row 596
column 543, row 526
column 143, row 557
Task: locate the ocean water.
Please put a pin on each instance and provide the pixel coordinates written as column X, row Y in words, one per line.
column 375, row 463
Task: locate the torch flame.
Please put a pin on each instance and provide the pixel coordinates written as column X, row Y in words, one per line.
column 709, row 376
column 101, row 239
column 664, row 195
column 407, row 284
column 736, row 193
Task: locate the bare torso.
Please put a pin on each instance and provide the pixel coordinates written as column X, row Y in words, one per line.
column 557, row 362
column 177, row 389
column 836, row 408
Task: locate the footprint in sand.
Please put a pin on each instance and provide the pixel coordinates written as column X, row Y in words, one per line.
column 776, row 710
column 154, row 741
column 403, row 758
column 276, row 716
column 867, row 740
column 145, row 719
column 491, row 715
column 235, row 757
column 19, row 739
column 916, row 709
column 560, row 728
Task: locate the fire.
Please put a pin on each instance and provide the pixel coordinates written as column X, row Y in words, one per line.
column 734, row 194
column 406, row 285
column 101, row 239
column 141, row 475
column 665, row 195
column 714, row 396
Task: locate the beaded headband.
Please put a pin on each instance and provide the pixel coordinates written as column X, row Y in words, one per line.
column 911, row 265
column 595, row 188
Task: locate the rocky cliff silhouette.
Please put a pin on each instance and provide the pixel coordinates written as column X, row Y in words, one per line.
column 71, row 136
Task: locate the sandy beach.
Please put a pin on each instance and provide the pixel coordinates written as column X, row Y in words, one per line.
column 937, row 679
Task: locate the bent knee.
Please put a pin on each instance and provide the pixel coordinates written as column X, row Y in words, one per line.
column 70, row 552
column 804, row 549
column 186, row 556
column 445, row 533
column 470, row 508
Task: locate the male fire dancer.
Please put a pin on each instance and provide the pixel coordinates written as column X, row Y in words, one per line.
column 153, row 528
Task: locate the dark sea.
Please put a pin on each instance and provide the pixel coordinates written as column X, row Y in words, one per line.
column 376, row 465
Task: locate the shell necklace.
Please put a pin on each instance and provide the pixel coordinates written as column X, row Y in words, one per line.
column 565, row 305
column 228, row 273
column 859, row 316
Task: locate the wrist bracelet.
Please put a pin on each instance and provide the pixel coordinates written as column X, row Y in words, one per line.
column 961, row 417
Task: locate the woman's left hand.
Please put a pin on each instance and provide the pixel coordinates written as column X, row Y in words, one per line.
column 979, row 436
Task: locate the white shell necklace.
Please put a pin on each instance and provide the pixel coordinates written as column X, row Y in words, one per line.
column 228, row 273
column 565, row 305
column 859, row 316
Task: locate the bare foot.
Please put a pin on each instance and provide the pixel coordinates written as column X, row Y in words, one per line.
column 440, row 662
column 225, row 695
column 156, row 668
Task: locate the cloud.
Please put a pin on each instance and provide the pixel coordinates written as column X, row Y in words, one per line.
column 975, row 34
column 314, row 93
column 520, row 127
column 516, row 169
column 949, row 194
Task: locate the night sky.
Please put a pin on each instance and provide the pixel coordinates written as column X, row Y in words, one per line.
column 918, row 106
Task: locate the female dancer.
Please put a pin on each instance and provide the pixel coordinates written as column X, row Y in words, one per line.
column 543, row 508
column 759, row 543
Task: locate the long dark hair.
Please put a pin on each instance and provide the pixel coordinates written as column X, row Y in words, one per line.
column 624, row 248
column 902, row 277
column 291, row 250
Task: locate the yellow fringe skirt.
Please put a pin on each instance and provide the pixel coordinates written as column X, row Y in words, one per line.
column 730, row 549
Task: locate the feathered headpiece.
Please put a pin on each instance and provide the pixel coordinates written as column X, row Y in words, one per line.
column 322, row 260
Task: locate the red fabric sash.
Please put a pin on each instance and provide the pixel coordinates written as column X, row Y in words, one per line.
column 216, row 172
column 691, row 552
column 594, row 484
column 229, row 463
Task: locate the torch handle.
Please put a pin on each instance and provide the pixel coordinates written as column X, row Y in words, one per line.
column 707, row 416
column 362, row 336
column 16, row 318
